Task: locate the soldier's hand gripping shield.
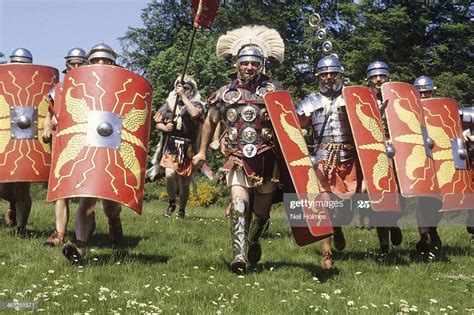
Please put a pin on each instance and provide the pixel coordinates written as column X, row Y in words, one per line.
column 100, row 147
column 370, row 141
column 308, row 219
column 24, row 157
column 449, row 153
column 413, row 147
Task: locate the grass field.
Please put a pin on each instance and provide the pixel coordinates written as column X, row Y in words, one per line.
column 181, row 266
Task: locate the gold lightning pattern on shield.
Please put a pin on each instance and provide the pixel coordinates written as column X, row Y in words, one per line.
column 417, row 157
column 4, row 124
column 380, row 169
column 445, row 174
column 295, row 135
column 25, row 147
column 131, row 122
column 447, row 169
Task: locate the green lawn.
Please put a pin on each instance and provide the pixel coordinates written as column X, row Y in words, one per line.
column 181, row 266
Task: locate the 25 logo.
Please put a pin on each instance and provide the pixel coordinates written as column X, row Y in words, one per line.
column 363, row 204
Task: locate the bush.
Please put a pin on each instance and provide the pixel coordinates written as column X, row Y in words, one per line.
column 206, row 195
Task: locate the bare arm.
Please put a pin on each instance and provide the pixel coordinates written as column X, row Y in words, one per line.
column 160, row 123
column 216, row 137
column 190, row 108
column 208, row 129
column 47, row 128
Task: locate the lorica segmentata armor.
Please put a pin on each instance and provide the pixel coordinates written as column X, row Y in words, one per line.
column 332, row 133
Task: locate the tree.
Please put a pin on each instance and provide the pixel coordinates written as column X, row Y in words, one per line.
column 162, row 22
column 415, row 38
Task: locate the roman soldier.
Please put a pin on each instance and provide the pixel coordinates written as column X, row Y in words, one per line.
column 100, row 54
column 75, row 58
column 425, row 86
column 334, row 156
column 182, row 134
column 18, row 194
column 251, row 172
column 378, row 73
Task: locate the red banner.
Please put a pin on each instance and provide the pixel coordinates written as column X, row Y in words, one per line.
column 204, row 12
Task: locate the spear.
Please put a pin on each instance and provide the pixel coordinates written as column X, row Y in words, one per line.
column 205, row 12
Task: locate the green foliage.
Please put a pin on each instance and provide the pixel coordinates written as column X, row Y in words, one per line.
column 206, row 195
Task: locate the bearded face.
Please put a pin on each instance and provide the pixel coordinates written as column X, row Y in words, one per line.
column 377, row 80
column 330, row 82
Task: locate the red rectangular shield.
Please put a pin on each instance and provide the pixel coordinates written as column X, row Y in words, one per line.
column 303, row 177
column 100, row 147
column 452, row 171
column 369, row 137
column 415, row 169
column 24, row 157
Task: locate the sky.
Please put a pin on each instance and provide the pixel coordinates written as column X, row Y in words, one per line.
column 49, row 28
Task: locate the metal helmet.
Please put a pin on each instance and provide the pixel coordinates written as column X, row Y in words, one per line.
column 250, row 53
column 424, row 83
column 21, row 55
column 329, row 64
column 102, row 50
column 378, row 68
column 76, row 53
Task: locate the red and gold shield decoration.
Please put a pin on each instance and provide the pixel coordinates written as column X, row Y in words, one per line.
column 100, row 147
column 369, row 137
column 24, row 157
column 449, row 153
column 316, row 222
column 408, row 134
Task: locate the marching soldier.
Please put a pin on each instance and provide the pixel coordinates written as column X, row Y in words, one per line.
column 182, row 133
column 425, row 86
column 18, row 193
column 75, row 58
column 378, row 73
column 101, row 54
column 334, row 156
column 428, row 235
column 252, row 174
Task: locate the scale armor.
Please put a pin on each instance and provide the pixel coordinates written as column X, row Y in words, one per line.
column 248, row 126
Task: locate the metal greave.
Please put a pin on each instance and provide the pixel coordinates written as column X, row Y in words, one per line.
column 239, row 229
